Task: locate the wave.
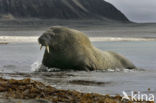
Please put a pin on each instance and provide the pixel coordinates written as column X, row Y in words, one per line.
column 30, row 39
column 19, row 39
column 121, row 39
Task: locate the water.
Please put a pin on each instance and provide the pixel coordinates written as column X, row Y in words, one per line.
column 26, row 57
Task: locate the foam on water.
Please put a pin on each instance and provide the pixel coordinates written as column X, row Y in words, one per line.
column 35, row 66
column 21, row 39
column 30, row 39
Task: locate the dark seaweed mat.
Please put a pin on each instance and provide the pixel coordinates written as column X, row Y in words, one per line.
column 30, row 89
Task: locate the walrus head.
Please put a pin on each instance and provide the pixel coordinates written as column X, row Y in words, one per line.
column 52, row 39
column 58, row 38
column 45, row 40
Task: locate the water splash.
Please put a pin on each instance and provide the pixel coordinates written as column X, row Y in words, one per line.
column 35, row 66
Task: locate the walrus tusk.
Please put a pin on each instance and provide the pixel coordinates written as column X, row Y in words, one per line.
column 47, row 47
column 40, row 46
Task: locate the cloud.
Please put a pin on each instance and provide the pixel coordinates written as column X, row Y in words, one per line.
column 137, row 10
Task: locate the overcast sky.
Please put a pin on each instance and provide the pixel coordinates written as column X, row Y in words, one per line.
column 137, row 10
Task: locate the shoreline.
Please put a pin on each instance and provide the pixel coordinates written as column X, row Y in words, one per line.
column 33, row 39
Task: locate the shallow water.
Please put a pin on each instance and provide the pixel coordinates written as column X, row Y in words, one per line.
column 26, row 57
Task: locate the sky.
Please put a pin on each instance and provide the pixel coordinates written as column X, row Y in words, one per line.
column 137, row 10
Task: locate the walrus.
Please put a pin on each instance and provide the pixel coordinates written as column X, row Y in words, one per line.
column 71, row 49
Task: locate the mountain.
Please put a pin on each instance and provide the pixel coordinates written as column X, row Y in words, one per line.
column 60, row 9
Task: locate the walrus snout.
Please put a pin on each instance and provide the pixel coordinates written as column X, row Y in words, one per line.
column 43, row 41
column 46, row 38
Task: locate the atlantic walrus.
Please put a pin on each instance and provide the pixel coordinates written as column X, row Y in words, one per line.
column 71, row 49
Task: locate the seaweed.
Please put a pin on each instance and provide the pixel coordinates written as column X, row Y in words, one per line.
column 31, row 89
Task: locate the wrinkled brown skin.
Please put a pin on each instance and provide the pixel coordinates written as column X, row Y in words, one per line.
column 71, row 49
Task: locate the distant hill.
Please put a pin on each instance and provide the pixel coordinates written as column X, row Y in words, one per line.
column 60, row 9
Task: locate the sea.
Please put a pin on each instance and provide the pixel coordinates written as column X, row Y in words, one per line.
column 22, row 59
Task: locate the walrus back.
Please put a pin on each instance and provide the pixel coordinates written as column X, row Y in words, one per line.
column 111, row 60
column 123, row 61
